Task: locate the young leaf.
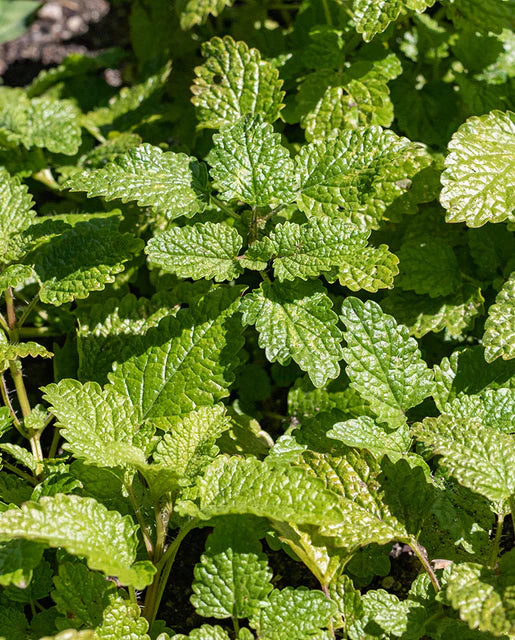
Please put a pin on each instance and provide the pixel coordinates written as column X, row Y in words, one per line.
column 492, row 407
column 234, row 81
column 480, row 170
column 187, row 361
column 383, row 362
column 232, row 578
column 98, row 424
column 480, row 458
column 357, row 174
column 16, row 214
column 295, row 320
column 172, row 183
column 197, row 11
column 369, row 268
column 364, row 433
column 499, row 337
column 248, row 163
column 122, row 619
column 296, row 614
column 83, row 527
column 206, row 250
column 10, row 351
column 13, row 276
column 373, row 16
column 484, row 597
column 205, row 632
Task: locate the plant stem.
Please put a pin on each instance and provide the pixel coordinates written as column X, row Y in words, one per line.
column 419, row 552
column 223, row 207
column 497, row 540
column 27, row 311
column 144, row 526
column 55, row 441
column 3, row 323
column 325, row 589
column 236, row 625
column 512, row 509
column 132, row 595
column 19, row 472
column 327, row 13
column 7, row 402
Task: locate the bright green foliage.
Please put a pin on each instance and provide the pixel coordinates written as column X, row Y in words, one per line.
column 233, row 82
column 197, row 11
column 480, row 458
column 83, row 527
column 294, row 614
column 499, row 337
column 205, row 250
column 205, row 632
column 373, row 16
column 71, row 634
column 492, row 407
column 370, row 268
column 18, row 558
column 38, row 122
column 248, row 163
column 232, row 578
column 98, row 424
column 480, row 170
column 10, row 352
column 14, row 15
column 357, row 174
column 16, row 214
column 172, row 183
column 166, row 374
column 364, row 433
column 122, row 619
column 383, row 362
column 484, row 598
column 14, row 275
column 295, row 321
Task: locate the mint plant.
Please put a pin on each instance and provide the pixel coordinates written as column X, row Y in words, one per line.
column 265, row 293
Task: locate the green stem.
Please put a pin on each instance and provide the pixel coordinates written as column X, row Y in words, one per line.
column 264, row 275
column 7, row 402
column 3, row 323
column 37, row 332
column 19, row 472
column 223, row 207
column 27, row 311
column 419, row 552
column 143, row 525
column 132, row 595
column 512, row 509
column 327, row 13
column 497, row 540
column 55, row 442
column 236, row 625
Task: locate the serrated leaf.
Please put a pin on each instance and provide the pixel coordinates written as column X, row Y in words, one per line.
column 81, row 595
column 357, row 175
column 479, row 177
column 98, row 424
column 295, row 321
column 22, row 456
column 293, row 614
column 499, row 336
column 364, row 433
column 236, row 485
column 234, row 81
column 187, row 361
column 373, row 16
column 422, row 314
column 12, row 351
column 72, row 634
column 16, row 214
column 207, row 250
column 13, row 276
column 40, row 122
column 248, row 163
column 171, row 183
column 197, row 11
column 484, row 598
column 232, row 578
column 205, row 632
column 83, row 527
column 492, row 407
column 383, row 361
column 122, row 619
column 189, row 437
column 369, row 268
column 480, row 458
column 82, row 259
column 13, row 624
column 486, row 15
column 428, row 266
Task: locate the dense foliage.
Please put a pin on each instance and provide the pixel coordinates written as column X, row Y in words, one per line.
column 275, row 274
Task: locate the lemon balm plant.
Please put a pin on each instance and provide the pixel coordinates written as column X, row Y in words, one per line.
column 275, row 278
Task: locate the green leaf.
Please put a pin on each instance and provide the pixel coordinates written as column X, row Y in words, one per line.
column 248, row 486
column 369, row 268
column 357, row 175
column 492, row 407
column 422, row 314
column 189, row 438
column 293, row 614
column 364, row 433
column 480, row 170
column 232, row 578
column 205, row 632
column 234, row 81
column 187, row 361
column 480, row 458
column 122, row 619
column 13, row 276
column 486, row 15
column 295, row 321
column 98, row 424
column 428, row 266
column 14, row 16
column 171, row 183
column 373, row 16
column 383, row 362
column 197, row 11
column 40, row 122
column 499, row 337
column 384, row 610
column 206, row 250
column 18, row 558
column 13, row 624
column 81, row 595
column 5, row 420
column 12, row 351
column 72, row 634
column 248, row 163
column 83, row 259
column 16, row 214
column 83, row 527
column 22, row 456
column 484, row 598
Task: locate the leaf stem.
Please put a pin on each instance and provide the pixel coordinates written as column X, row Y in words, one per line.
column 223, row 207
column 27, row 311
column 236, row 626
column 143, row 525
column 421, row 555
column 497, row 540
column 512, row 509
column 22, row 474
column 3, row 323
column 7, row 402
column 327, row 13
column 55, row 442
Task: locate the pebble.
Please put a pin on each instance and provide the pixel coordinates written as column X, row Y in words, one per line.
column 51, row 11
